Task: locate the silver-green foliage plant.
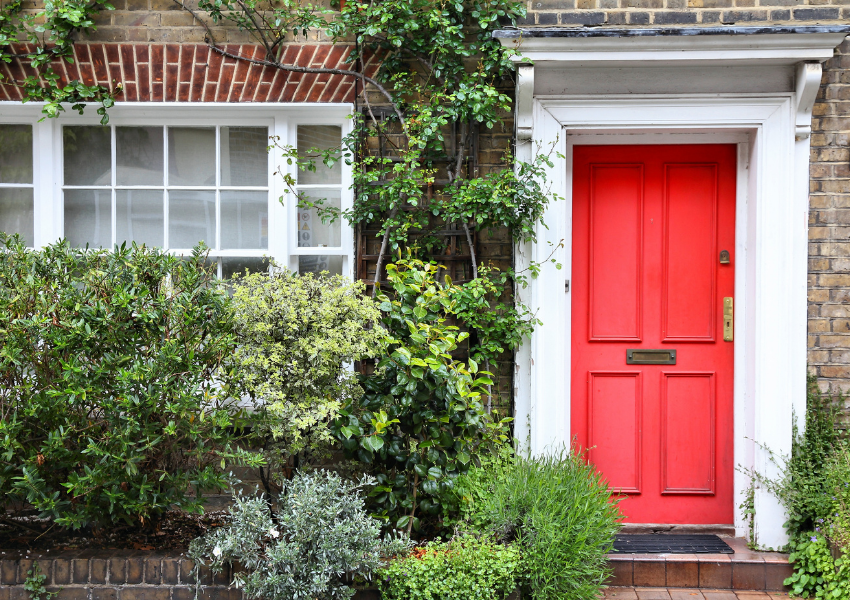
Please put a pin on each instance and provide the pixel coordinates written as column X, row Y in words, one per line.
column 297, row 337
column 319, row 537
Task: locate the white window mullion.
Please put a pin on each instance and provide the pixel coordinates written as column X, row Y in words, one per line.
column 166, row 242
column 114, row 165
column 217, row 188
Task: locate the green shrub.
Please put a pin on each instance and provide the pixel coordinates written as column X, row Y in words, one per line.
column 420, row 422
column 838, row 480
column 319, row 534
column 465, row 568
column 816, row 573
column 298, row 335
column 109, row 378
column 558, row 511
column 813, row 488
column 804, row 489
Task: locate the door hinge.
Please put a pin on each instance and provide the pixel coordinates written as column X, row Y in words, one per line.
column 567, row 285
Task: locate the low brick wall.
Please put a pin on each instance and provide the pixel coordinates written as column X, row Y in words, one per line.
column 117, row 575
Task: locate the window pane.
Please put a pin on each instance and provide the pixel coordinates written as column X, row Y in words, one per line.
column 88, row 155
column 244, row 220
column 311, row 231
column 318, row 264
column 191, row 156
column 15, row 154
column 140, row 217
column 319, row 137
column 16, row 213
column 232, row 266
column 88, row 218
column 139, row 155
column 191, row 218
column 244, row 156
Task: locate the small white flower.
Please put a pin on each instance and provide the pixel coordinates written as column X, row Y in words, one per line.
column 216, row 551
column 274, row 533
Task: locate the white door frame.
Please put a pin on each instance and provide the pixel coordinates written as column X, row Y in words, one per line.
column 771, row 130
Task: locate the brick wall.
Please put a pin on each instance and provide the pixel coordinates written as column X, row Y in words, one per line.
column 684, row 12
column 829, row 227
column 118, row 575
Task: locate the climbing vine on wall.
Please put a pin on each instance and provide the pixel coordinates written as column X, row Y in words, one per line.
column 442, row 79
column 44, row 38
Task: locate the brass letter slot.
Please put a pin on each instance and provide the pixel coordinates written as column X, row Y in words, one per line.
column 636, row 356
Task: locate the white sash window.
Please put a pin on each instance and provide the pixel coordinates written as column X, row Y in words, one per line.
column 173, row 176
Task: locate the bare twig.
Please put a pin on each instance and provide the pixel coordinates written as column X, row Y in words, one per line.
column 294, row 68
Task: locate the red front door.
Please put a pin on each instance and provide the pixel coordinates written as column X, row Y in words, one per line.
column 652, row 227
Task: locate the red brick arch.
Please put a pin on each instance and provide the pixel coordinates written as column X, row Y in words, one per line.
column 195, row 73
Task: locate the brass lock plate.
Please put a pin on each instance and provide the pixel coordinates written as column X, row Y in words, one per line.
column 728, row 319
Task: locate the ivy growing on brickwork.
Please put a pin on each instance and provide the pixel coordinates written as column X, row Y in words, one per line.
column 49, row 37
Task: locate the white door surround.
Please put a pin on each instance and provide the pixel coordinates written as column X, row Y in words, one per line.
column 692, row 85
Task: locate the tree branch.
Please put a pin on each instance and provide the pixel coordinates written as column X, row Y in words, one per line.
column 294, row 68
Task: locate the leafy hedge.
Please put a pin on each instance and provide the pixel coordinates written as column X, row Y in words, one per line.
column 466, row 568
column 109, row 373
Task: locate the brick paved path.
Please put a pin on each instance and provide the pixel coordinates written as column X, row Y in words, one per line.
column 645, row 593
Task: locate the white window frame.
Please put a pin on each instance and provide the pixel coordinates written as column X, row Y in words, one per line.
column 281, row 119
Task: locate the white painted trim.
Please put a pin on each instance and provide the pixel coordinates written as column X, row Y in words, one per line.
column 770, row 278
column 771, row 131
column 775, row 48
column 808, row 82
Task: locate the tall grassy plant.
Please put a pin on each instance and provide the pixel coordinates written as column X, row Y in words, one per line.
column 557, row 509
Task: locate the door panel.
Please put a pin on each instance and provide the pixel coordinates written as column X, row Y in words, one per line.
column 614, row 432
column 649, row 223
column 687, row 421
column 616, row 204
column 690, row 252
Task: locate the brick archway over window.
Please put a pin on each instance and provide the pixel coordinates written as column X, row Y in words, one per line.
column 196, row 73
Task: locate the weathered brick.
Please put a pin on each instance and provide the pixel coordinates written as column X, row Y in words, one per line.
column 97, row 571
column 61, row 571
column 104, row 593
column 117, row 571
column 818, row 325
column 8, row 571
column 80, row 570
column 186, row 575
column 738, row 16
column 638, row 18
column 170, row 571
column 833, row 341
column 582, row 18
column 153, row 570
column 72, row 593
column 24, row 565
column 551, row 5
column 182, row 593
column 815, row 14
column 674, row 18
column 135, row 570
column 145, row 593
column 842, row 372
